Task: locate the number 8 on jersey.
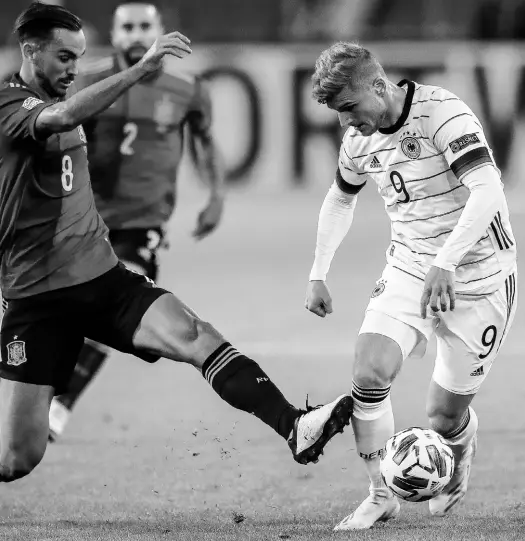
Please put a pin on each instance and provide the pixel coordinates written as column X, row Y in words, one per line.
column 67, row 173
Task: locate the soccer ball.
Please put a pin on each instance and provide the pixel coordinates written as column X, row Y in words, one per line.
column 417, row 464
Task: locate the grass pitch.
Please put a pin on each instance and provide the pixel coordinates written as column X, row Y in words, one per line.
column 153, row 454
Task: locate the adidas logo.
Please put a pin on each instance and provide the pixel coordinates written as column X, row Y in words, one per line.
column 478, row 372
column 375, row 162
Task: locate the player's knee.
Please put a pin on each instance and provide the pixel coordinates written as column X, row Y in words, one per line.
column 376, row 364
column 189, row 340
column 195, row 330
column 201, row 336
column 17, row 464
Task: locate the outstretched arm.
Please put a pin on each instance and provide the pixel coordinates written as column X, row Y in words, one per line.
column 67, row 115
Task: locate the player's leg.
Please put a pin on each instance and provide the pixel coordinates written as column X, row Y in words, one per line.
column 451, row 416
column 390, row 332
column 24, row 429
column 152, row 323
column 468, row 342
column 378, row 359
column 37, row 342
column 137, row 249
column 90, row 360
column 171, row 329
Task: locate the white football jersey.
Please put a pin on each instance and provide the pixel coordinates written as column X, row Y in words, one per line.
column 418, row 165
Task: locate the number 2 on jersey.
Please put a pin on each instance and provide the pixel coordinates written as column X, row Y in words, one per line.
column 131, row 131
column 67, row 173
column 399, row 186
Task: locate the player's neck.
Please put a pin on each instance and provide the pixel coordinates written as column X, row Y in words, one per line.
column 396, row 98
column 31, row 80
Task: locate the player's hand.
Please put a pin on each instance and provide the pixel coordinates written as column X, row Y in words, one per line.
column 318, row 298
column 175, row 44
column 438, row 291
column 209, row 218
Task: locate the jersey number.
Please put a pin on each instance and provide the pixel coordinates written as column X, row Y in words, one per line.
column 67, row 173
column 130, row 134
column 399, row 186
column 488, row 339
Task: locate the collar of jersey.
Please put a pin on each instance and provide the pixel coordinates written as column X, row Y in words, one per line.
column 17, row 79
column 411, row 87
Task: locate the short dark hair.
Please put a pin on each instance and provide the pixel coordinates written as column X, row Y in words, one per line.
column 39, row 20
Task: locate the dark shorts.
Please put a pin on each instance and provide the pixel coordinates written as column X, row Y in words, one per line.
column 42, row 335
column 140, row 247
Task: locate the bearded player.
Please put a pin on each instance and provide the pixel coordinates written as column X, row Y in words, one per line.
column 59, row 273
column 451, row 264
column 134, row 151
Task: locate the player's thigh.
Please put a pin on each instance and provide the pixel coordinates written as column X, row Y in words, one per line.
column 470, row 338
column 392, row 328
column 24, row 425
column 149, row 322
column 40, row 341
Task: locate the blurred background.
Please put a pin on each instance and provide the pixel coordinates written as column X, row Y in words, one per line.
column 259, row 54
column 194, row 458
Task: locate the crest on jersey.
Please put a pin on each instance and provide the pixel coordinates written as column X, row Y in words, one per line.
column 16, row 352
column 410, row 146
column 380, row 287
column 31, row 103
column 164, row 113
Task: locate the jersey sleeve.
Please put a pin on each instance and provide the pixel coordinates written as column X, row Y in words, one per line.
column 348, row 177
column 19, row 109
column 199, row 110
column 83, row 81
column 457, row 133
column 91, row 74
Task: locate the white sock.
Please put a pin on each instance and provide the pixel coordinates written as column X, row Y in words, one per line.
column 373, row 423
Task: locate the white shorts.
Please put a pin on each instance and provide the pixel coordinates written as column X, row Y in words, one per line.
column 468, row 339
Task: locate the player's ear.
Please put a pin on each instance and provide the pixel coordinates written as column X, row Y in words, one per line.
column 28, row 50
column 380, row 86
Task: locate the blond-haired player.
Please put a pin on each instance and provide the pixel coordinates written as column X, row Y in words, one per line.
column 451, row 263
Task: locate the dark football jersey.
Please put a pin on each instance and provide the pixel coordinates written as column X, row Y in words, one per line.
column 136, row 145
column 51, row 235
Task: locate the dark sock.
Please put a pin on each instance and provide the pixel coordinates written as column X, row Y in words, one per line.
column 240, row 382
column 89, row 363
